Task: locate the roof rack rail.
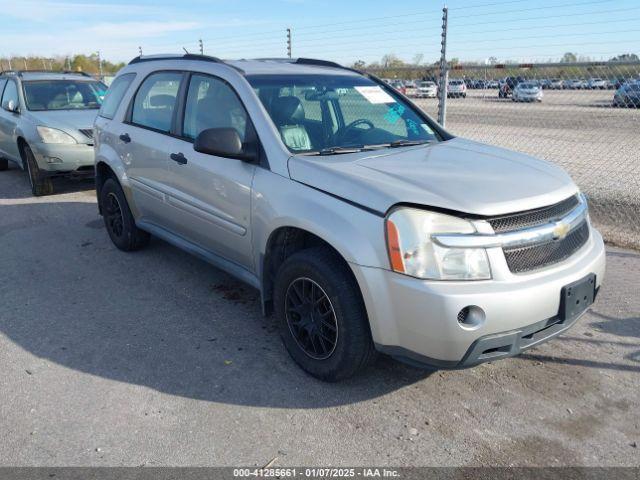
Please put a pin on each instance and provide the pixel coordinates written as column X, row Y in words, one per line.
column 178, row 56
column 66, row 72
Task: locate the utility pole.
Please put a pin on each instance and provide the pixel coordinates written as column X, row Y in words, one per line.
column 201, row 47
column 44, row 64
column 140, row 50
column 444, row 71
column 289, row 42
column 99, row 65
column 24, row 59
column 68, row 64
column 10, row 64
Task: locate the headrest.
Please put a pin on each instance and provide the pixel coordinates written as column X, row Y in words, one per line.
column 287, row 110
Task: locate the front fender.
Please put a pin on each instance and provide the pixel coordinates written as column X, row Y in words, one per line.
column 357, row 234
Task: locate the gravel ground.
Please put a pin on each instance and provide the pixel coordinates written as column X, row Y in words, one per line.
column 155, row 358
column 597, row 144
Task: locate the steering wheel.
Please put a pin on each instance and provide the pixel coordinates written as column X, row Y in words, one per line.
column 343, row 132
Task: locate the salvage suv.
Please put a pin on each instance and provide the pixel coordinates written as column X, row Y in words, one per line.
column 365, row 226
column 46, row 124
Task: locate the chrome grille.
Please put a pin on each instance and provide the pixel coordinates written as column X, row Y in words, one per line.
column 533, row 218
column 534, row 257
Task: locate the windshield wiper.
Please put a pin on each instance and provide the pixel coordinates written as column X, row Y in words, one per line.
column 341, row 150
column 407, row 143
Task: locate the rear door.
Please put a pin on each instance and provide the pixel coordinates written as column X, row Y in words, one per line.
column 144, row 140
column 210, row 196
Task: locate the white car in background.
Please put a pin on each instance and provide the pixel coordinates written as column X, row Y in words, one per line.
column 597, row 84
column 426, row 89
column 527, row 92
column 456, row 88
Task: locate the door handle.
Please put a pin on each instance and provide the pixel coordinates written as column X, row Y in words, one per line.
column 179, row 158
column 125, row 138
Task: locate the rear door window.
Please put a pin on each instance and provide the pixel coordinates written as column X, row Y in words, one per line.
column 155, row 101
column 114, row 95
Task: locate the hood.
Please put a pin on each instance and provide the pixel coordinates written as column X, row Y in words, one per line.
column 68, row 120
column 458, row 174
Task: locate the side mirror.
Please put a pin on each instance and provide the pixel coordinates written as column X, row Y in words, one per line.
column 10, row 106
column 223, row 142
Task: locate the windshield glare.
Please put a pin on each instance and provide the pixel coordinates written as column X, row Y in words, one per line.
column 315, row 113
column 43, row 95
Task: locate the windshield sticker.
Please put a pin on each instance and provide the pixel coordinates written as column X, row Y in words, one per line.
column 413, row 127
column 394, row 113
column 375, row 94
column 426, row 128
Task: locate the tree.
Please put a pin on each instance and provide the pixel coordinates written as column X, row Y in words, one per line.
column 417, row 58
column 569, row 58
column 492, row 60
column 625, row 57
column 359, row 65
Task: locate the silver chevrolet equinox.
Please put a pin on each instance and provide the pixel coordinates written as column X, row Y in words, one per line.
column 366, row 226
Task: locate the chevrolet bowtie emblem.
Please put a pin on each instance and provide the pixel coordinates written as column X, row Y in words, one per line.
column 561, row 230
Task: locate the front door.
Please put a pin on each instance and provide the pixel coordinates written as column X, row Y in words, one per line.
column 9, row 122
column 210, row 196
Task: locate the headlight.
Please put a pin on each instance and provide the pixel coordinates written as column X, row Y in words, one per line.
column 53, row 135
column 412, row 251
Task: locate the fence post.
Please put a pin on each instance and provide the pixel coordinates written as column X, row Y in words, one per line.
column 444, row 72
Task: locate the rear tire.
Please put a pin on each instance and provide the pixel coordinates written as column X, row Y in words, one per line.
column 4, row 164
column 40, row 184
column 323, row 321
column 118, row 219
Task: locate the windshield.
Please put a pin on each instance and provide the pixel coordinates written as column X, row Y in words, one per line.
column 326, row 113
column 528, row 85
column 427, row 84
column 42, row 95
column 456, row 82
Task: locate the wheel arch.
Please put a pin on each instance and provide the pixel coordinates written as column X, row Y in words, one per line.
column 284, row 241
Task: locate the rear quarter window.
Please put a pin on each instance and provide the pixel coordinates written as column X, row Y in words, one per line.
column 115, row 94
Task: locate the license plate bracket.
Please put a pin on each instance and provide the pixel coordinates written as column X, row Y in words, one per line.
column 576, row 297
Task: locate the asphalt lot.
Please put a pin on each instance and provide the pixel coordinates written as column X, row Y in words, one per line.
column 156, row 358
column 577, row 129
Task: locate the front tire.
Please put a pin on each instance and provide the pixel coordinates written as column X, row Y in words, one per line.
column 323, row 321
column 40, row 184
column 118, row 219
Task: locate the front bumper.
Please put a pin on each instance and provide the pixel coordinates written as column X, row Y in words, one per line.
column 70, row 159
column 418, row 319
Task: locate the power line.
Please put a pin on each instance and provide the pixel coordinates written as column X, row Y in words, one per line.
column 534, row 8
column 574, row 14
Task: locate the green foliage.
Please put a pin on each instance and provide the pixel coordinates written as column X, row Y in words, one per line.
column 79, row 63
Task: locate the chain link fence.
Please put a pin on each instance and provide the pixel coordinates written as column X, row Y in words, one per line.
column 584, row 117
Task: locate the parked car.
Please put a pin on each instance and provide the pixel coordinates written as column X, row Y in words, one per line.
column 507, row 85
column 628, row 95
column 456, row 88
column 398, row 85
column 527, row 92
column 575, row 84
column 46, row 124
column 555, row 84
column 596, row 84
column 388, row 234
column 426, row 89
column 493, row 84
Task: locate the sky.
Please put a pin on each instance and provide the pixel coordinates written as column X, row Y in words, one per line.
column 340, row 30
